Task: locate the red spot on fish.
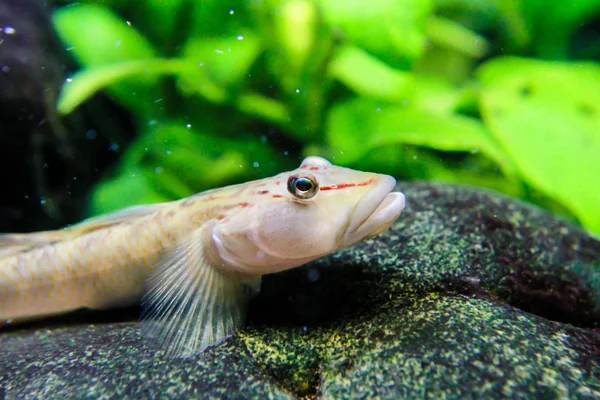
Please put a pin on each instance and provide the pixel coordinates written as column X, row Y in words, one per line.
column 243, row 204
column 303, row 166
column 277, row 196
column 314, row 168
column 277, row 183
column 347, row 185
column 211, row 198
column 263, row 192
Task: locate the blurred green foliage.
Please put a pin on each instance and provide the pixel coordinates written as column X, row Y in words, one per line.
column 497, row 93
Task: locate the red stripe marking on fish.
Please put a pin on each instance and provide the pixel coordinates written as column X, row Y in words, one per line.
column 277, row 196
column 244, row 204
column 347, row 185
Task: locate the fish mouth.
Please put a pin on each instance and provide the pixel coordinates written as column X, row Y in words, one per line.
column 375, row 212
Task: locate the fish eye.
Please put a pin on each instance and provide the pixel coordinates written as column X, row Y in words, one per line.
column 303, row 187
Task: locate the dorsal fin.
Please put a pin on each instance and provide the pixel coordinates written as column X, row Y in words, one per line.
column 114, row 218
column 12, row 243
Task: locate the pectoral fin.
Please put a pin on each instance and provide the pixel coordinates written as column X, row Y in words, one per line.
column 190, row 304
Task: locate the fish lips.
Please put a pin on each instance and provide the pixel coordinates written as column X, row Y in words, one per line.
column 375, row 212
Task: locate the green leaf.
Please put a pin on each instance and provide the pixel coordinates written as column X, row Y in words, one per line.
column 455, row 36
column 96, row 36
column 223, row 64
column 296, row 24
column 368, row 76
column 358, row 126
column 546, row 116
column 263, row 107
column 225, row 60
column 88, row 81
column 130, row 187
column 392, row 30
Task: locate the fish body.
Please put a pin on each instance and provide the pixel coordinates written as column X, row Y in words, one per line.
column 194, row 263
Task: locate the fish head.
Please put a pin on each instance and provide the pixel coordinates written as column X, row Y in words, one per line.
column 305, row 214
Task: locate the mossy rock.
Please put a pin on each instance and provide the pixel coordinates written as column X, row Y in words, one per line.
column 470, row 295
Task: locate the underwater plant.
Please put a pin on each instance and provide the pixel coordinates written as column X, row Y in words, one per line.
column 499, row 94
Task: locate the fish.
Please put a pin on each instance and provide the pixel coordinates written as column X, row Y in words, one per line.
column 195, row 263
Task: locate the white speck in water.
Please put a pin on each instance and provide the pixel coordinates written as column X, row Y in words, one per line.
column 74, row 178
column 168, row 152
column 158, row 170
column 475, row 151
column 69, row 80
column 240, row 165
column 260, row 254
column 9, row 30
column 201, row 64
column 297, row 90
column 231, row 12
column 69, row 48
column 91, row 134
column 113, row 147
column 313, row 275
column 133, row 175
column 219, row 51
column 378, row 109
column 1, row 41
column 255, row 164
column 240, row 37
column 415, row 157
column 263, row 139
column 188, row 126
column 42, row 201
column 117, row 43
column 341, row 152
column 304, row 329
column 285, row 153
column 152, row 122
column 26, row 197
column 158, row 100
column 5, row 69
column 128, row 23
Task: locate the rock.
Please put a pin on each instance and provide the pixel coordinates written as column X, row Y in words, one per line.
column 470, row 295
